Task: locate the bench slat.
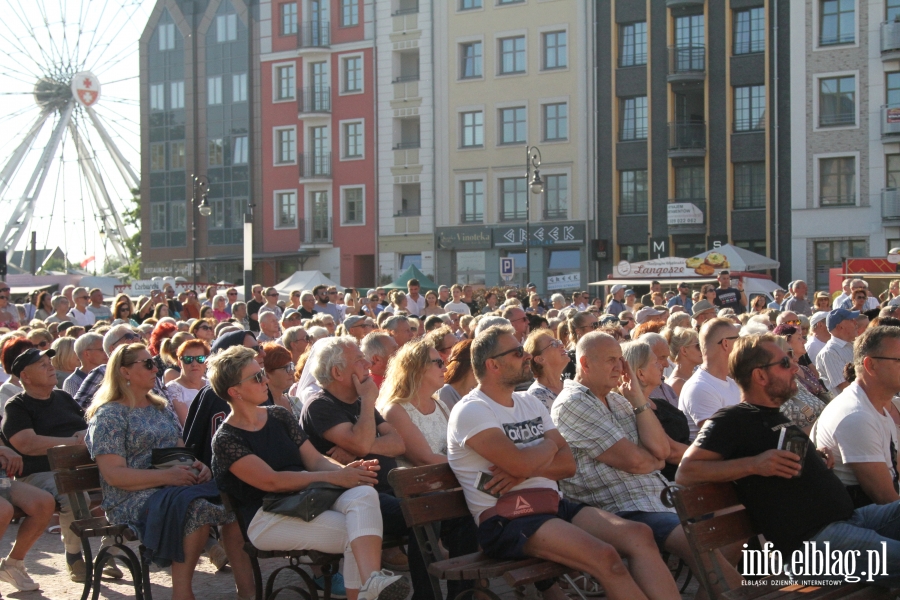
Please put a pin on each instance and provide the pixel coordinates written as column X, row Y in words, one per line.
column 422, row 480
column 699, row 500
column 531, row 574
column 720, row 531
column 434, row 507
column 68, row 457
column 79, row 480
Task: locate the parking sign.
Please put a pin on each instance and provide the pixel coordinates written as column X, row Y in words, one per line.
column 506, row 269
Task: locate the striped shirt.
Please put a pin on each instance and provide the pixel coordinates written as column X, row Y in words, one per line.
column 831, row 360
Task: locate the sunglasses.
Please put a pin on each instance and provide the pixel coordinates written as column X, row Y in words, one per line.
column 257, row 348
column 232, row 293
column 518, row 350
column 272, row 295
column 204, row 327
column 147, row 362
column 439, row 362
column 594, row 325
column 258, row 377
column 731, row 337
column 288, row 368
column 43, row 344
column 189, row 359
column 784, row 363
column 794, row 322
column 4, row 289
column 128, row 337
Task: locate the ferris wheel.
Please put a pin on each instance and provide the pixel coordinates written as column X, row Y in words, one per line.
column 69, row 81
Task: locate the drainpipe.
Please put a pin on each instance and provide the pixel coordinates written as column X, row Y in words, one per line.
column 775, row 198
column 376, row 216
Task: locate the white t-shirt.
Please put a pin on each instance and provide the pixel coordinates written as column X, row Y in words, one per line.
column 457, row 307
column 84, row 319
column 856, row 433
column 524, row 423
column 703, row 394
column 182, row 395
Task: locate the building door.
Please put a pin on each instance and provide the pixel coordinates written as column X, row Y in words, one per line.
column 321, row 161
column 319, row 84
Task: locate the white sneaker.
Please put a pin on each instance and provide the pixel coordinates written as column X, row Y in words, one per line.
column 17, row 577
column 384, row 585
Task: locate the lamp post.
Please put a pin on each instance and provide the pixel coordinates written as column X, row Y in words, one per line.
column 536, row 186
column 248, row 251
column 201, row 191
column 102, row 233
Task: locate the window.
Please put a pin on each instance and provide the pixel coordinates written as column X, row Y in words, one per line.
column 349, row 13
column 285, row 83
column 837, row 22
column 226, row 28
column 158, row 96
column 176, row 95
column 831, row 254
column 469, row 4
column 690, row 184
column 564, row 262
column 512, row 125
column 556, row 196
column 240, row 150
column 893, row 171
column 750, row 185
column 749, row 30
column 634, row 118
column 513, row 199
column 633, row 44
column 289, row 18
column 470, row 60
column 837, row 181
column 239, row 87
column 469, row 267
column 409, row 260
column 177, row 155
column 353, row 206
column 893, row 89
column 320, row 228
column 353, row 140
column 214, row 90
column 285, row 210
column 502, row 2
column 893, row 11
column 472, row 129
column 472, row 201
column 158, row 217
column 177, row 217
column 158, row 157
column 353, row 75
column 555, row 50
column 216, row 152
column 166, row 33
column 749, row 107
column 512, row 55
column 634, row 252
column 633, row 192
column 285, row 146
column 556, row 122
column 837, row 101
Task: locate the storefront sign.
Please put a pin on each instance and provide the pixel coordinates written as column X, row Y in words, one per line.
column 683, row 213
column 564, row 282
column 467, row 238
column 144, row 286
column 540, row 235
column 672, row 267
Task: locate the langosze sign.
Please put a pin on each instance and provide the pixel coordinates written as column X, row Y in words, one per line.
column 660, row 268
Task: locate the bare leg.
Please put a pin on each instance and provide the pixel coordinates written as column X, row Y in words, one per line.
column 183, row 572
column 367, row 552
column 678, row 545
column 39, row 506
column 635, row 541
column 233, row 542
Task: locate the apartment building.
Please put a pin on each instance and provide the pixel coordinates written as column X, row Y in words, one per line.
column 845, row 106
column 693, row 143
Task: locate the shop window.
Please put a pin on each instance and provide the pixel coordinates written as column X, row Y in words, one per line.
column 470, row 267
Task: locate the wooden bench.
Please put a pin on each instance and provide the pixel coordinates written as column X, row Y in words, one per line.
column 731, row 524
column 76, row 474
column 431, row 494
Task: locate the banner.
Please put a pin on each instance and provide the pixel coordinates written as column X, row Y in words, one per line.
column 564, row 282
column 672, row 267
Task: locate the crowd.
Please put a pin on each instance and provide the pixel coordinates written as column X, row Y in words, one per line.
column 587, row 409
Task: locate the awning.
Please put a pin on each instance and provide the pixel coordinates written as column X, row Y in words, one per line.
column 664, row 282
column 18, row 290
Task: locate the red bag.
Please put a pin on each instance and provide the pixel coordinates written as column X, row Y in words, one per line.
column 527, row 502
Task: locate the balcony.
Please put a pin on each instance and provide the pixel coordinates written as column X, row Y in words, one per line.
column 687, row 139
column 406, row 8
column 686, row 220
column 407, row 78
column 890, row 204
column 687, row 63
column 315, row 166
column 681, row 3
column 314, row 34
column 316, row 99
column 890, row 122
column 890, row 40
column 408, row 145
column 316, row 230
column 413, row 211
column 555, row 213
column 406, row 91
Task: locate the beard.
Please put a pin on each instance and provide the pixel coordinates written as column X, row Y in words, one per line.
column 781, row 391
column 515, row 377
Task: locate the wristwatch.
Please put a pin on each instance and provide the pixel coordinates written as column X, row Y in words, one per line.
column 641, row 408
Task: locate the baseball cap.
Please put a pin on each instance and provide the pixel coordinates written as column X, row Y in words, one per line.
column 701, row 307
column 530, row 285
column 609, row 320
column 817, row 318
column 353, row 320
column 644, row 315
column 616, row 288
column 64, row 325
column 683, row 284
column 838, row 316
column 29, row 357
column 629, row 292
column 288, row 313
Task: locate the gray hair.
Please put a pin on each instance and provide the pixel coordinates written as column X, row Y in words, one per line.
column 331, row 356
column 557, row 297
column 679, row 338
column 57, row 300
column 638, row 354
column 755, row 325
column 391, row 323
column 86, row 340
column 114, row 337
column 306, row 294
column 491, row 321
column 224, row 368
column 375, row 344
column 678, row 319
column 651, row 339
column 237, row 306
column 870, row 342
column 485, row 345
column 859, row 283
column 78, row 290
column 317, row 332
column 217, row 298
column 290, row 335
column 266, row 314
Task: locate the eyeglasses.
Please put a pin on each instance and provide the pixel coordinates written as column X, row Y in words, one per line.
column 553, row 344
column 128, row 337
column 258, row 377
column 257, row 348
column 884, row 358
column 189, row 359
column 288, row 368
column 82, row 297
column 147, row 362
column 594, row 325
column 784, row 363
column 302, row 339
column 232, row 293
column 730, row 337
column 204, row 327
column 332, row 293
column 519, row 351
column 438, row 361
column 275, row 295
column 43, row 344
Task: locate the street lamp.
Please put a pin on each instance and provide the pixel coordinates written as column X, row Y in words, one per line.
column 536, row 185
column 103, row 235
column 201, row 191
column 248, row 251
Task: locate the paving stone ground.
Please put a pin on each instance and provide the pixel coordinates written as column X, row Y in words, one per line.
column 45, row 562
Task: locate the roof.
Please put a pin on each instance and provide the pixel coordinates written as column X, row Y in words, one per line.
column 411, row 272
column 740, row 259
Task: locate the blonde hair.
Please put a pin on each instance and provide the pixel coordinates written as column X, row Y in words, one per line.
column 404, row 373
column 114, row 387
column 65, row 354
column 168, row 350
column 678, row 338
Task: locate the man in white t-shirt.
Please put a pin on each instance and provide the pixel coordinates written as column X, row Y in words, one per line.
column 457, row 305
column 79, row 313
column 857, row 426
column 710, row 388
column 499, row 443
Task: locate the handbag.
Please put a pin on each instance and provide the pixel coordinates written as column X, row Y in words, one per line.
column 307, row 504
column 166, row 458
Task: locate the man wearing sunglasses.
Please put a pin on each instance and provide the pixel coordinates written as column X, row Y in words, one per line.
column 323, row 305
column 710, row 388
column 117, row 335
column 79, row 314
column 358, row 326
column 253, row 307
column 296, row 340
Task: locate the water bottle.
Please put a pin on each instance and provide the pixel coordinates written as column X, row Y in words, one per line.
column 5, row 482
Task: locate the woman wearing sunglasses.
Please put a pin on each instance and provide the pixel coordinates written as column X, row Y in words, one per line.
column 548, row 361
column 203, row 330
column 126, row 421
column 279, row 368
column 684, row 350
column 183, row 390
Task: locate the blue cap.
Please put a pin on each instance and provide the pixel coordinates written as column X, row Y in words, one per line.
column 629, row 292
column 233, row 338
column 838, row 316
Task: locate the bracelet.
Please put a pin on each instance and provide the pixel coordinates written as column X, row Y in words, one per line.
column 642, row 408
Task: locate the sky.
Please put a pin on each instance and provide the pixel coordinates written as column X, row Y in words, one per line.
column 56, row 37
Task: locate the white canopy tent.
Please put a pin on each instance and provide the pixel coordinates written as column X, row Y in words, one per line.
column 303, row 280
column 740, row 259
